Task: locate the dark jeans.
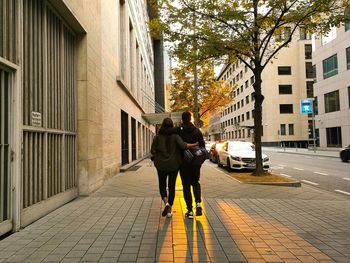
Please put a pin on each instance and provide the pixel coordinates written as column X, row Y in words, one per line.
column 190, row 177
column 162, row 176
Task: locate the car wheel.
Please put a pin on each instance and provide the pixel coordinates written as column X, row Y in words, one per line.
column 228, row 165
column 219, row 164
column 343, row 157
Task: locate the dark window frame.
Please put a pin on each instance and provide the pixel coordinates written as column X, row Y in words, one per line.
column 285, row 89
column 329, row 99
column 286, row 108
column 284, row 70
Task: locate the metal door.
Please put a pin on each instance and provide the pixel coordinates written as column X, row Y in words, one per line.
column 5, row 151
column 125, row 138
column 133, row 139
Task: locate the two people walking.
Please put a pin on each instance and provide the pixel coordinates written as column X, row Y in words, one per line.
column 167, row 154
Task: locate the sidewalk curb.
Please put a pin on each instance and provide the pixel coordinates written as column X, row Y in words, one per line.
column 286, row 184
column 308, row 154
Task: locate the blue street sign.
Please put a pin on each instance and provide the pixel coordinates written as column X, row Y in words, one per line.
column 306, row 106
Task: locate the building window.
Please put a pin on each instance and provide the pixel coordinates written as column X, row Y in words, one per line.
column 349, row 96
column 237, row 92
column 314, row 73
column 252, row 80
column 348, row 58
column 331, row 101
column 234, row 107
column 304, row 35
column 284, row 70
column 308, row 51
column 234, row 94
column 246, row 84
column 334, row 137
column 315, row 104
column 330, row 66
column 248, row 135
column 246, row 99
column 248, row 115
column 242, row 117
column 310, row 89
column 285, row 89
column 309, row 70
column 291, row 129
column 242, row 88
column 242, row 102
column 239, row 119
column 286, row 108
column 238, row 105
column 347, row 23
column 283, row 129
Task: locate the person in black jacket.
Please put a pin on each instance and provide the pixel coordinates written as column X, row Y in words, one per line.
column 190, row 173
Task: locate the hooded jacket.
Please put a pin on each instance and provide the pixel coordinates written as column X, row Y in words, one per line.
column 191, row 134
column 167, row 148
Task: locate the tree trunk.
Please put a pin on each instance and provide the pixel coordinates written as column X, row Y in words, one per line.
column 259, row 98
column 195, row 96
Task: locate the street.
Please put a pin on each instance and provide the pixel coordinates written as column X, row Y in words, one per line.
column 325, row 172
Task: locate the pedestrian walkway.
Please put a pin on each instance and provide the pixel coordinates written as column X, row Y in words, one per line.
column 241, row 223
column 323, row 153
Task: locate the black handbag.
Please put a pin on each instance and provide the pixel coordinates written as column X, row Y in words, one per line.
column 188, row 156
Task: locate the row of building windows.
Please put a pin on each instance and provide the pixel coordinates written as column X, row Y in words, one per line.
column 238, row 134
column 330, row 65
column 332, row 101
column 238, row 119
column 286, row 89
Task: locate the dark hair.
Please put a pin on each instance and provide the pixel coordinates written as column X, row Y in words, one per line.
column 167, row 123
column 186, row 117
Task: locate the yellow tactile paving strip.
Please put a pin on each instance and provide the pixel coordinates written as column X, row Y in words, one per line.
column 258, row 239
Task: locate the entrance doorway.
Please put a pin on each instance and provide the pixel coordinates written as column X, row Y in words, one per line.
column 5, row 151
column 125, row 137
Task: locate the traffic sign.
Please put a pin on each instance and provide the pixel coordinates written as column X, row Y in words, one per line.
column 306, row 106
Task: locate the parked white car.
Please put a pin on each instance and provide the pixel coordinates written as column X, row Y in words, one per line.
column 239, row 155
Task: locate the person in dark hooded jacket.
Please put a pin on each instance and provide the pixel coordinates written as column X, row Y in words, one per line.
column 189, row 172
column 167, row 156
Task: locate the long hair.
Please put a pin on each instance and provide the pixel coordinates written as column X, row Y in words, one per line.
column 167, row 123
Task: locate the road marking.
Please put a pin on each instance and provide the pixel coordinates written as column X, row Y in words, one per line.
column 300, row 169
column 286, row 175
column 346, row 178
column 277, row 167
column 340, row 191
column 320, row 173
column 308, row 182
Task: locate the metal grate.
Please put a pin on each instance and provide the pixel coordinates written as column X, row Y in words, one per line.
column 8, row 24
column 33, row 168
column 49, row 104
column 4, row 145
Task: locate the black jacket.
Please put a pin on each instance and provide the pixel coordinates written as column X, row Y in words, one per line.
column 188, row 132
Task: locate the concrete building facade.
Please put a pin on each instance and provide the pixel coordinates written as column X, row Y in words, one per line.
column 76, row 78
column 331, row 59
column 286, row 80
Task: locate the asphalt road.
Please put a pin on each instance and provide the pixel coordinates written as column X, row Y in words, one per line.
column 328, row 173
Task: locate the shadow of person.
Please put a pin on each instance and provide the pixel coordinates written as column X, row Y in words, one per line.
column 164, row 250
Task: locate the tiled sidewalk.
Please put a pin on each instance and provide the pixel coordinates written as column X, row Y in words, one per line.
column 241, row 223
